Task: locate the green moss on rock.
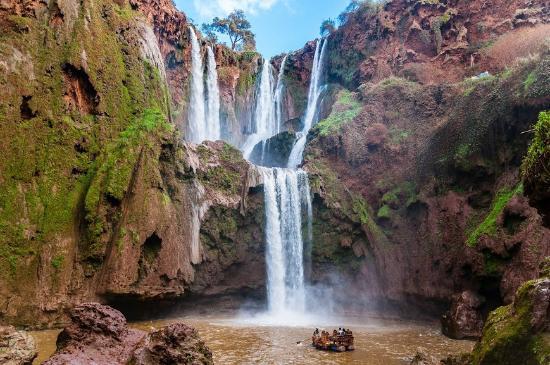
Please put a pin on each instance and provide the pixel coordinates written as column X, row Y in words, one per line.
column 514, row 334
column 344, row 110
column 489, row 225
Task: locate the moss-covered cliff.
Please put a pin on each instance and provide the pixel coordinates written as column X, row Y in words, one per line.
column 100, row 198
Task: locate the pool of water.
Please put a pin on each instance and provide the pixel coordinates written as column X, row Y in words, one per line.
column 247, row 341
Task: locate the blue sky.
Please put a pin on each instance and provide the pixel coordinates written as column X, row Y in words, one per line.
column 280, row 25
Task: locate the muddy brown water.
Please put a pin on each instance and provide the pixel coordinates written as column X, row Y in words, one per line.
column 377, row 341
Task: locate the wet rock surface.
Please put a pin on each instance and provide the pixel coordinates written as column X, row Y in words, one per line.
column 99, row 334
column 518, row 333
column 174, row 344
column 464, row 320
column 16, row 347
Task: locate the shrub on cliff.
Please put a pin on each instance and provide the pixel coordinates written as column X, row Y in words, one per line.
column 535, row 166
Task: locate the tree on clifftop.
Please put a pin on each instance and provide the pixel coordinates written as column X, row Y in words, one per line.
column 236, row 27
column 328, row 27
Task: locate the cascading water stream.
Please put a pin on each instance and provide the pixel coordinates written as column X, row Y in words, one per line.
column 316, row 88
column 279, row 95
column 213, row 99
column 204, row 108
column 287, row 196
column 197, row 109
column 264, row 117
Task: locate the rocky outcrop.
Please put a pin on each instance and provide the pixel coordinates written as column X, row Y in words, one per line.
column 518, row 333
column 275, row 151
column 16, row 347
column 99, row 334
column 429, row 41
column 464, row 320
column 174, row 344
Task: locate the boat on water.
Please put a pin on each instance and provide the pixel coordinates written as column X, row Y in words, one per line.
column 339, row 341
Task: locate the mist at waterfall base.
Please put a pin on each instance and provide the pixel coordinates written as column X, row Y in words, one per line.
column 291, row 301
column 291, row 298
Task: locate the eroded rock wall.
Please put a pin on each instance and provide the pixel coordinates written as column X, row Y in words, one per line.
column 100, row 197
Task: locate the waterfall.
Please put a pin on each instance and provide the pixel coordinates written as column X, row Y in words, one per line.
column 279, row 96
column 264, row 126
column 204, row 109
column 197, row 116
column 286, row 193
column 213, row 99
column 315, row 90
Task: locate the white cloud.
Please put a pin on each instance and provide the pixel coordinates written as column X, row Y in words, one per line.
column 208, row 9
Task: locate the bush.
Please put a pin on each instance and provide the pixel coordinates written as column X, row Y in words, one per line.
column 508, row 48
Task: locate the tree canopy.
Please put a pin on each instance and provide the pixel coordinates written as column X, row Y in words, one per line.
column 236, row 27
column 327, row 27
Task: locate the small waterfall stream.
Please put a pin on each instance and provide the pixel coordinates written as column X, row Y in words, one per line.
column 213, row 99
column 264, row 123
column 316, row 88
column 204, row 105
column 197, row 108
column 279, row 95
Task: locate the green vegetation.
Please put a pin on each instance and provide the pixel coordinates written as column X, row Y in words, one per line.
column 246, row 81
column 62, row 154
column 489, row 224
column 530, row 80
column 57, row 262
column 327, row 27
column 405, row 192
column 508, row 336
column 533, row 165
column 361, row 208
column 384, row 212
column 236, row 27
column 111, row 175
column 344, row 110
column 398, row 136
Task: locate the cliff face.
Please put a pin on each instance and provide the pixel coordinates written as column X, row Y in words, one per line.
column 432, row 41
column 424, row 159
column 100, row 199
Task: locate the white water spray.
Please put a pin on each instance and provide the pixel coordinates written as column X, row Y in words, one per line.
column 286, row 194
column 196, row 132
column 264, row 117
column 316, row 88
column 279, row 94
column 213, row 99
column 150, row 50
column 204, row 110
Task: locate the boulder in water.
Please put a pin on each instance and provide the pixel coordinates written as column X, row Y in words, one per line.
column 97, row 334
column 100, row 335
column 174, row 344
column 16, row 347
column 464, row 319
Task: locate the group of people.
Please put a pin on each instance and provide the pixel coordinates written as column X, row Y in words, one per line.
column 341, row 332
